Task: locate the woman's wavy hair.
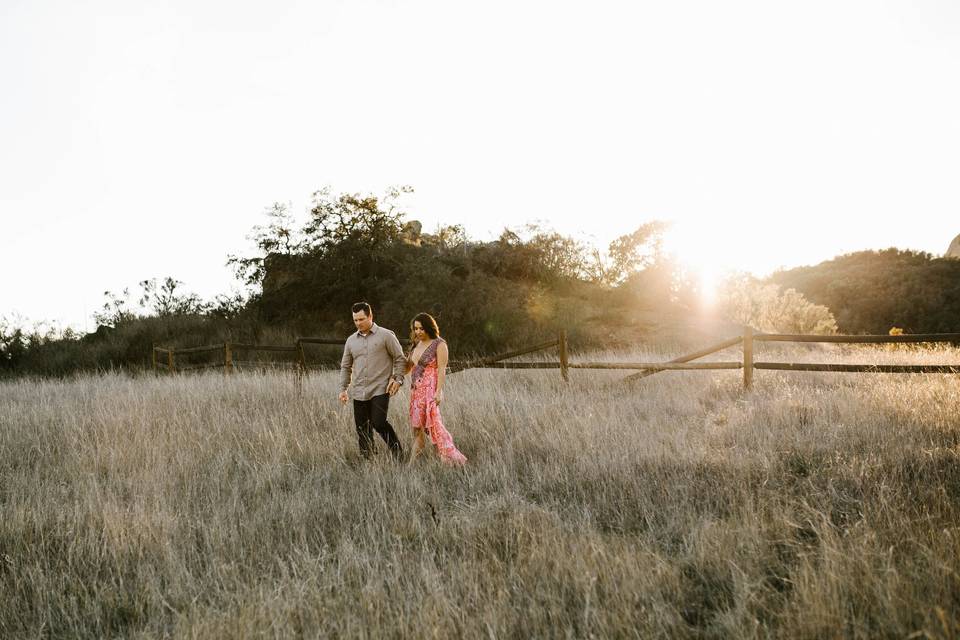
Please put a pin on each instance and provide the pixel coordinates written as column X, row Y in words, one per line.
column 428, row 323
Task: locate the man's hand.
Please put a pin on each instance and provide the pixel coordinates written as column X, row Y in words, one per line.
column 343, row 397
column 393, row 387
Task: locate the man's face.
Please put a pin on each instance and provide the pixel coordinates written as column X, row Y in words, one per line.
column 362, row 321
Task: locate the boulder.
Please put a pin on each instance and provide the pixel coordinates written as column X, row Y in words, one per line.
column 954, row 250
column 411, row 232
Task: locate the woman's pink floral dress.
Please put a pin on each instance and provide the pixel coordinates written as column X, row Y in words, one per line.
column 424, row 412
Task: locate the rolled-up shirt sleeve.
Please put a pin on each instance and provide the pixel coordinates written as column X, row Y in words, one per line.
column 346, row 367
column 399, row 359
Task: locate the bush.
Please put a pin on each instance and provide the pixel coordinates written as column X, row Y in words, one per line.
column 765, row 307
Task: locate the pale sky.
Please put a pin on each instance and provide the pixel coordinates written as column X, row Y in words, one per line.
column 145, row 139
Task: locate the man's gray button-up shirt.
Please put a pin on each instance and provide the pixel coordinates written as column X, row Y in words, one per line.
column 372, row 359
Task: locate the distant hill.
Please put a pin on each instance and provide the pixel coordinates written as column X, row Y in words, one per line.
column 872, row 291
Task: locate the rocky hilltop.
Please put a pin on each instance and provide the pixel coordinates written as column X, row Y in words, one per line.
column 953, row 251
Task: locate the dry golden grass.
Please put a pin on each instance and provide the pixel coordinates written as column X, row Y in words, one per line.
column 816, row 505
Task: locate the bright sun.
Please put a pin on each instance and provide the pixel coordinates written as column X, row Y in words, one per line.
column 703, row 257
column 711, row 249
column 708, row 280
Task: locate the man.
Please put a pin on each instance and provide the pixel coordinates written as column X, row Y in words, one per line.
column 374, row 356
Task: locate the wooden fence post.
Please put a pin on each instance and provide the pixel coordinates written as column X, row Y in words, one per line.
column 747, row 357
column 170, row 360
column 302, row 358
column 564, row 362
column 227, row 359
column 301, row 367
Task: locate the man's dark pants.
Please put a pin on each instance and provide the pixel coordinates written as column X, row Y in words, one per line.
column 370, row 415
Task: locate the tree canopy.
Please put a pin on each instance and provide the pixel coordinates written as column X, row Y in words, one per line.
column 304, row 272
column 873, row 291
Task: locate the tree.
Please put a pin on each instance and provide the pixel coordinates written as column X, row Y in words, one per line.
column 632, row 252
column 12, row 344
column 446, row 238
column 278, row 236
column 166, row 301
column 558, row 257
column 116, row 310
column 364, row 222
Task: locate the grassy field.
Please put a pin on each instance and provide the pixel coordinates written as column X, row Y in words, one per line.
column 816, row 505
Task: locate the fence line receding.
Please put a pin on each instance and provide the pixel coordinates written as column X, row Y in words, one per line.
column 165, row 358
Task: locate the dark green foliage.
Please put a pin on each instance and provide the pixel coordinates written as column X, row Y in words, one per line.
column 488, row 297
column 872, row 291
column 126, row 346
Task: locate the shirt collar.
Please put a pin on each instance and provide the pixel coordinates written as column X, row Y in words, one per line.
column 373, row 329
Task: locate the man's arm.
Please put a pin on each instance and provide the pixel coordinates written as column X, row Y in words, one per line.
column 346, row 368
column 399, row 359
column 399, row 363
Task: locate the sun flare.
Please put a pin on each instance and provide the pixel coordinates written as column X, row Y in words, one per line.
column 703, row 259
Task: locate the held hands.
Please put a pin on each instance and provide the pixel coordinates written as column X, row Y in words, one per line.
column 343, row 397
column 393, row 387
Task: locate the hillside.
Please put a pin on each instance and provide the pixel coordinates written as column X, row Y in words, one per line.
column 872, row 291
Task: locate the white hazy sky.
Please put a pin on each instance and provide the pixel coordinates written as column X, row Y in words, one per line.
column 144, row 139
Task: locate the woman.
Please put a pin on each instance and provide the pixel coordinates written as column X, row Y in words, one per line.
column 428, row 362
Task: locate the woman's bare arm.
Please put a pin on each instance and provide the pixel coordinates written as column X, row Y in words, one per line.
column 443, row 356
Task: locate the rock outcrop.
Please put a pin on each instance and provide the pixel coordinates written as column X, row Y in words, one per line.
column 411, row 232
column 954, row 250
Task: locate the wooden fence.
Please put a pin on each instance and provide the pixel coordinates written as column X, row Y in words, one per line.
column 749, row 365
column 165, row 358
column 498, row 361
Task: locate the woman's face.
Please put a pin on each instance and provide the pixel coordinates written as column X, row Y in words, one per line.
column 418, row 331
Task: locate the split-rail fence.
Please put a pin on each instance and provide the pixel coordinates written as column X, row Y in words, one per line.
column 165, row 358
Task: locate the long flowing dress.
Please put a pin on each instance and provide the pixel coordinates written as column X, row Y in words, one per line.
column 424, row 412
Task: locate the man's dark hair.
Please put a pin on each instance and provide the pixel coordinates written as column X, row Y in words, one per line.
column 362, row 306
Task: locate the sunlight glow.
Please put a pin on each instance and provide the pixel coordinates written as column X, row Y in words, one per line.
column 708, row 283
column 703, row 256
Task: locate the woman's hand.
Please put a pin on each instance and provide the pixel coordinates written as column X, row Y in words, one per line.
column 438, row 397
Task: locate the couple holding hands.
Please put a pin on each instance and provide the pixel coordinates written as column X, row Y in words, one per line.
column 373, row 368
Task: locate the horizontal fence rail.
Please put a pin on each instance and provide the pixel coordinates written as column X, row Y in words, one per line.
column 261, row 347
column 514, row 365
column 166, row 357
column 859, row 368
column 658, row 366
column 726, row 344
column 865, row 339
column 749, row 365
column 206, row 349
column 494, row 361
